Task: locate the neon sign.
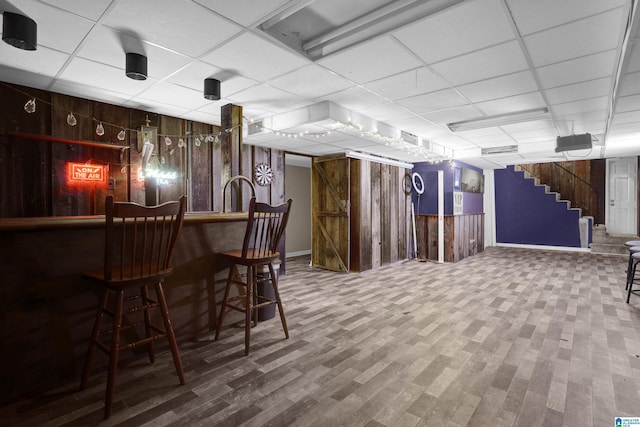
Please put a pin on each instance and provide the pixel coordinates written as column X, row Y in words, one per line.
column 161, row 177
column 82, row 172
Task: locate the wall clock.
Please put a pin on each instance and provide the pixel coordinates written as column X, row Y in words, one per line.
column 263, row 174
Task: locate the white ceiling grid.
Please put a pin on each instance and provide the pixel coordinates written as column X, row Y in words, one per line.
column 463, row 60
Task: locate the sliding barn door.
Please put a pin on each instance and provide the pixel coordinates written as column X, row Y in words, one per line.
column 330, row 213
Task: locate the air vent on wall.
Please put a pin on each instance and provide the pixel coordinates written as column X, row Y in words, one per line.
column 573, row 142
column 500, row 150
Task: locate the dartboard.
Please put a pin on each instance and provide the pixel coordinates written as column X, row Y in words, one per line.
column 263, row 174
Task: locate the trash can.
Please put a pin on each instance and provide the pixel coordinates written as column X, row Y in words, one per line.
column 265, row 289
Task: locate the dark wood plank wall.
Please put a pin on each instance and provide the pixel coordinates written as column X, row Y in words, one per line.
column 380, row 215
column 463, row 236
column 33, row 173
column 582, row 182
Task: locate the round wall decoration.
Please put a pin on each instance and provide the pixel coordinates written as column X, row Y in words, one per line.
column 263, row 174
column 418, row 183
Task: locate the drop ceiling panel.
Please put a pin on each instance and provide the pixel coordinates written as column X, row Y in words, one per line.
column 628, row 103
column 451, row 115
column 433, row 101
column 534, row 16
column 372, row 60
column 192, row 76
column 168, row 93
column 324, row 81
column 44, row 62
column 460, row 29
column 105, row 45
column 580, row 38
column 267, row 98
column 386, row 112
column 500, row 87
column 495, row 61
column 634, row 60
column 575, row 92
column 87, row 9
column 199, row 116
column 527, row 101
column 355, row 99
column 157, row 21
column 253, row 57
column 244, row 12
column 577, row 70
column 630, row 84
column 582, row 106
column 410, row 83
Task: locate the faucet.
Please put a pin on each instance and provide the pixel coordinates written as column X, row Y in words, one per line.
column 236, row 178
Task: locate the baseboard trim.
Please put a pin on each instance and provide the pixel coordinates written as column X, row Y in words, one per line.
column 543, row 247
column 298, row 253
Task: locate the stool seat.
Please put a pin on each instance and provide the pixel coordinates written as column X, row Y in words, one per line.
column 139, row 246
column 631, row 243
column 265, row 228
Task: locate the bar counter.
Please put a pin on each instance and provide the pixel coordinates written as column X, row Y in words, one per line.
column 47, row 310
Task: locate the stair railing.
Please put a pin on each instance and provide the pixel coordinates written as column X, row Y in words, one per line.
column 572, row 187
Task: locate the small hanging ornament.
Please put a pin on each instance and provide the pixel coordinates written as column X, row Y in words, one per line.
column 198, row 142
column 209, row 138
column 100, row 129
column 122, row 135
column 181, row 143
column 30, row 106
column 168, row 140
column 71, row 119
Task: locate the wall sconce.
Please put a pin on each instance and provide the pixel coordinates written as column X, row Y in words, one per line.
column 19, row 31
column 136, row 66
column 212, row 89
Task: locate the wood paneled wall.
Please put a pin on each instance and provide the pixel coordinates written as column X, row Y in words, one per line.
column 33, row 175
column 380, row 215
column 463, row 236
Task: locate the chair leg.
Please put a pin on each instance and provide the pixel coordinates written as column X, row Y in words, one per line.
column 114, row 353
column 629, row 267
column 274, row 281
column 233, row 270
column 88, row 363
column 171, row 336
column 248, row 309
column 144, row 290
column 633, row 275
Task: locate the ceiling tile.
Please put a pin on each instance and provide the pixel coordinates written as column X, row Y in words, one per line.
column 457, row 30
column 371, row 60
column 628, row 103
column 451, row 115
column 168, row 93
column 634, row 59
column 193, row 75
column 87, row 9
column 386, row 112
column 416, row 125
column 109, row 46
column 589, row 89
column 244, row 12
column 630, row 84
column 409, row 83
column 533, row 16
column 512, row 104
column 582, row 106
column 355, row 99
column 500, row 87
column 185, row 25
column 255, row 58
column 495, row 61
column 267, row 98
column 580, row 38
column 324, row 82
column 202, row 117
column 433, row 101
column 577, row 70
column 43, row 61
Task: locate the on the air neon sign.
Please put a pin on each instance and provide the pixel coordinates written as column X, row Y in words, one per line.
column 82, row 172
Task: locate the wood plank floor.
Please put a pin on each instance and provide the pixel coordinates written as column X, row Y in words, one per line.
column 509, row 337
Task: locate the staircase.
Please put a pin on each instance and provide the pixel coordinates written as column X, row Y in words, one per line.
column 604, row 243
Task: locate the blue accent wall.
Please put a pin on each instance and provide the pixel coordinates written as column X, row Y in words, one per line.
column 472, row 203
column 525, row 214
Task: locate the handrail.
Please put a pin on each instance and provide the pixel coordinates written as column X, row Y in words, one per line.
column 235, row 178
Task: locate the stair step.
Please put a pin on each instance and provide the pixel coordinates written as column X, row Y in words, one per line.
column 605, row 248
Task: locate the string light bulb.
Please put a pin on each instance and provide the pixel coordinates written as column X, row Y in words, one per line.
column 100, row 129
column 122, row 135
column 30, row 106
column 71, row 119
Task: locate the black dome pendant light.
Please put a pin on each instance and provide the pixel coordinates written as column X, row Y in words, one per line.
column 136, row 66
column 19, row 31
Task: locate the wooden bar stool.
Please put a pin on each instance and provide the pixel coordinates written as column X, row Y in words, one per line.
column 265, row 227
column 139, row 246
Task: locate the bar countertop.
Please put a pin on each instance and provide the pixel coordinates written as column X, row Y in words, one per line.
column 62, row 222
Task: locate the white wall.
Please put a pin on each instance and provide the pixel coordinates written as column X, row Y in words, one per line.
column 297, row 186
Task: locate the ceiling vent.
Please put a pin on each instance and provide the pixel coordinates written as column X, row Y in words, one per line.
column 500, row 150
column 573, row 142
column 410, row 138
column 255, row 128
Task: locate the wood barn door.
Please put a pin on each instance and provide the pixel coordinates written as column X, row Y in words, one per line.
column 330, row 205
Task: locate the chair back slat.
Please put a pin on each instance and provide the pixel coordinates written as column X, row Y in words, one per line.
column 140, row 240
column 265, row 227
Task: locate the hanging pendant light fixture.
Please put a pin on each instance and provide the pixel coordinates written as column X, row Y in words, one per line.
column 212, row 89
column 136, row 66
column 19, row 31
